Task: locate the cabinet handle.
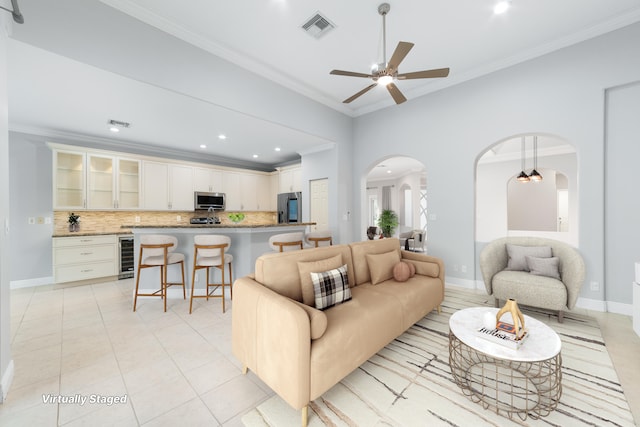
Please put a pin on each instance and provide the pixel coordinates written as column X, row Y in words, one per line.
column 86, row 240
column 86, row 253
column 86, row 271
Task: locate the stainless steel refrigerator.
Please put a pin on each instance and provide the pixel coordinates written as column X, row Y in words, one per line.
column 289, row 208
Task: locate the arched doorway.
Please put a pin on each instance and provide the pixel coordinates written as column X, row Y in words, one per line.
column 506, row 206
column 397, row 183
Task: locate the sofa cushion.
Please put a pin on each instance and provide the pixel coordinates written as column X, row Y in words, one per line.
column 424, row 268
column 544, row 266
column 359, row 251
column 517, row 255
column 357, row 330
column 307, row 267
column 381, row 265
column 317, row 320
column 528, row 289
column 331, row 287
column 279, row 272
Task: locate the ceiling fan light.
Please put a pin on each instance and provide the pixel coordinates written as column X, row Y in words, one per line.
column 385, row 80
column 523, row 177
column 535, row 176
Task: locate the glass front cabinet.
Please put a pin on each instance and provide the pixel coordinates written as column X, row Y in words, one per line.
column 91, row 181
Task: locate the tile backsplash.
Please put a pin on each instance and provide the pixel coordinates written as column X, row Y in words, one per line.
column 111, row 221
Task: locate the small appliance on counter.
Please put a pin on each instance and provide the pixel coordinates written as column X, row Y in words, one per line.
column 289, row 208
column 205, row 220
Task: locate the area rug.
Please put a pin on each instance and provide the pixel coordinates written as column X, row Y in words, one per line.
column 408, row 383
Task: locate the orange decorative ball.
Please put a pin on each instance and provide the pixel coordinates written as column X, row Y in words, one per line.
column 401, row 272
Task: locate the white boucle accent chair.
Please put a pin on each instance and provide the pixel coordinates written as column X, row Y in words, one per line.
column 530, row 289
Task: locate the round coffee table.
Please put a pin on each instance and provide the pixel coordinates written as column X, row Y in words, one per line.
column 524, row 381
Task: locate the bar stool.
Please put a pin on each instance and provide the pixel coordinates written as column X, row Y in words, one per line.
column 157, row 250
column 210, row 251
column 319, row 238
column 286, row 241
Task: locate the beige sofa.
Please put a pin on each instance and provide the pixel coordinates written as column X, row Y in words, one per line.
column 300, row 351
column 538, row 289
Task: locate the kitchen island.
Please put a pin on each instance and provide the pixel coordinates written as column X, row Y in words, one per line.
column 248, row 242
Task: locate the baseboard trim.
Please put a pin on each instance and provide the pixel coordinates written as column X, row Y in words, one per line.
column 7, row 379
column 462, row 283
column 29, row 283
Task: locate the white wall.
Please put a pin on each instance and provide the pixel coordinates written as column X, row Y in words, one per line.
column 31, row 195
column 447, row 130
column 6, row 364
column 622, row 214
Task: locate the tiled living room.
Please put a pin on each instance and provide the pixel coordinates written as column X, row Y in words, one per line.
column 253, row 99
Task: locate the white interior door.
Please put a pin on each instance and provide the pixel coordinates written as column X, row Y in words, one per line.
column 319, row 203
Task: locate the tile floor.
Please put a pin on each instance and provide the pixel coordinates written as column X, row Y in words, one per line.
column 173, row 368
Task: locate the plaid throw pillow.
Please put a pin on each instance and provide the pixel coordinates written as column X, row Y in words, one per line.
column 331, row 287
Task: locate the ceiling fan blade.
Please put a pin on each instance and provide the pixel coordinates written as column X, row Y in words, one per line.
column 398, row 55
column 349, row 73
column 362, row 92
column 395, row 93
column 426, row 74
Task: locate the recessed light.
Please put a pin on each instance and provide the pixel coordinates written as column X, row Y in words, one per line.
column 222, row 136
column 255, row 156
column 277, row 148
column 501, row 7
column 114, row 129
column 388, row 171
column 203, row 146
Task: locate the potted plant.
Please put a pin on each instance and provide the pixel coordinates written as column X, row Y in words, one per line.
column 388, row 221
column 74, row 222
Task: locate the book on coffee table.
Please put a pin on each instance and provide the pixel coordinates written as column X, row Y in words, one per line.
column 503, row 334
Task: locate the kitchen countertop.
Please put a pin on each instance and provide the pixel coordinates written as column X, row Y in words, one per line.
column 81, row 233
column 299, row 224
column 127, row 229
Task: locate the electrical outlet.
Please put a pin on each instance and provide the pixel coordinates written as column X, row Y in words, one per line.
column 595, row 286
column 178, row 218
column 137, row 219
column 195, row 278
column 31, row 220
column 40, row 220
column 47, row 220
column 463, row 268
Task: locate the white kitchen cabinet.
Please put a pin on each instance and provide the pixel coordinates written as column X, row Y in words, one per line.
column 207, row 179
column 113, row 182
column 128, row 183
column 231, row 186
column 84, row 257
column 92, row 181
column 155, row 185
column 180, row 187
column 69, row 180
column 264, row 195
column 290, row 179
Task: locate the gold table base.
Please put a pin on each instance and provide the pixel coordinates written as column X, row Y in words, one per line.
column 511, row 387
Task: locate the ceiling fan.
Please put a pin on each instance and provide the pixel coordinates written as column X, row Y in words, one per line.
column 386, row 72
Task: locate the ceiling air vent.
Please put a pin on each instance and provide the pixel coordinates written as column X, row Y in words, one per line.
column 318, row 25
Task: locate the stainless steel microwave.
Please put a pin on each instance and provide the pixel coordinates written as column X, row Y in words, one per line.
column 204, row 201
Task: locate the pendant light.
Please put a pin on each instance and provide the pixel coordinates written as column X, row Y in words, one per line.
column 535, row 175
column 523, row 177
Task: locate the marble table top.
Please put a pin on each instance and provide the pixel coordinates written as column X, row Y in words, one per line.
column 543, row 342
